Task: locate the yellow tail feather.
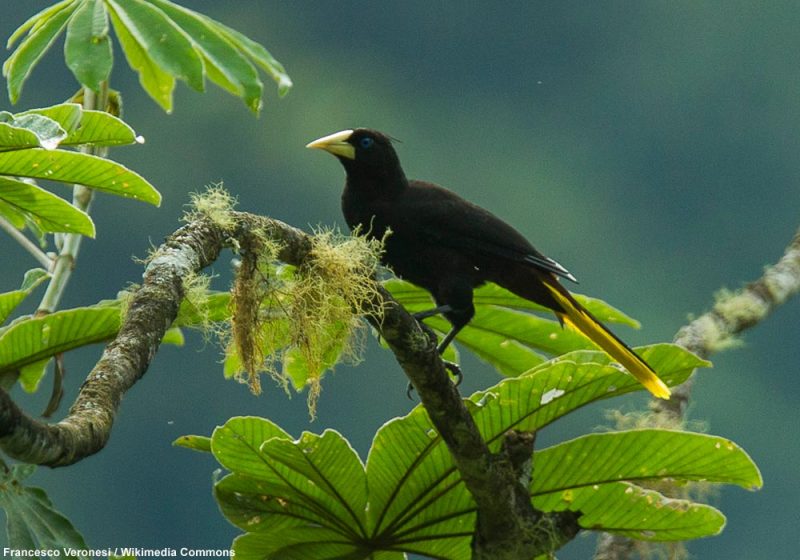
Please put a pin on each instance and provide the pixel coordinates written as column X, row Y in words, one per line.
column 582, row 321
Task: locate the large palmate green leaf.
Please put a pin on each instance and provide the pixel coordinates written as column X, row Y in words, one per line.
column 312, row 497
column 505, row 332
column 32, row 521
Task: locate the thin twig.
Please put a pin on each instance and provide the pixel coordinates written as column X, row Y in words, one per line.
column 732, row 314
column 26, row 244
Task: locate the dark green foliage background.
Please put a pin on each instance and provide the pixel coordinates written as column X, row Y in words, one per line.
column 650, row 147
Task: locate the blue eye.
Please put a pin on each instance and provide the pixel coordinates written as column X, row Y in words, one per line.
column 366, row 142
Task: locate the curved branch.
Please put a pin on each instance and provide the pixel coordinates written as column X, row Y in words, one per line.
column 508, row 526
column 87, row 427
column 733, row 313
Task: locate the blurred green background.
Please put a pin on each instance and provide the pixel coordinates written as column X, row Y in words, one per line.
column 650, row 147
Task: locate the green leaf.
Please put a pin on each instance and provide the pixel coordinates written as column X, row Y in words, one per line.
column 646, row 454
column 50, row 212
column 73, row 167
column 331, row 345
column 32, row 521
column 214, row 307
column 504, row 332
column 414, row 488
column 10, row 300
column 631, row 511
column 327, row 474
column 29, row 340
column 30, row 131
column 31, row 375
column 300, row 543
column 158, row 83
column 83, row 127
column 257, row 54
column 67, row 115
column 99, row 128
column 492, row 294
column 87, row 49
column 235, row 445
column 196, row 443
column 173, row 336
column 224, row 64
column 36, row 20
column 160, row 39
column 41, row 36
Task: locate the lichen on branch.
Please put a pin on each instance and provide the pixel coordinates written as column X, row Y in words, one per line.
column 294, row 322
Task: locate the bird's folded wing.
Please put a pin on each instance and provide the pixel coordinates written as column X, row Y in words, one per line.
column 444, row 218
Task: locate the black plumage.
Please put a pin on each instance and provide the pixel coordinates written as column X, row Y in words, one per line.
column 449, row 246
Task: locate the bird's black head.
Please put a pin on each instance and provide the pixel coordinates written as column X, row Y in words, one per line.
column 367, row 156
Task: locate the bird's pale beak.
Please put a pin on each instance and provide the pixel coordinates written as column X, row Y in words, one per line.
column 335, row 144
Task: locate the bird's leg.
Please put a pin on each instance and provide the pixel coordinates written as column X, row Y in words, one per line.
column 431, row 312
column 455, row 370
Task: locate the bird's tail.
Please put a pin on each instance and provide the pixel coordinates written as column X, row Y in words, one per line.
column 575, row 315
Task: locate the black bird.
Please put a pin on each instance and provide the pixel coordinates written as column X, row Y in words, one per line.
column 449, row 246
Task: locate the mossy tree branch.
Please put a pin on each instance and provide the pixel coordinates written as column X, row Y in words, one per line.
column 508, row 526
column 732, row 314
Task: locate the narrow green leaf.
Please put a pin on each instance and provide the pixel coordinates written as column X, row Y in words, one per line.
column 162, row 40
column 87, row 49
column 10, row 300
column 224, row 64
column 67, row 115
column 74, row 167
column 32, row 339
column 643, row 455
column 196, row 443
column 158, row 83
column 631, row 511
column 37, row 20
column 14, row 217
column 20, row 64
column 258, row 54
column 15, row 137
column 31, row 375
column 50, row 212
column 32, row 521
column 99, row 128
column 29, row 131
